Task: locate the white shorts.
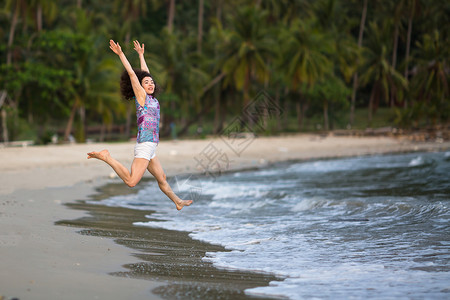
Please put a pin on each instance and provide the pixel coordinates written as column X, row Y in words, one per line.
column 145, row 150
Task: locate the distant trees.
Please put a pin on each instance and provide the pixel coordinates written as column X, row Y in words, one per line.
column 317, row 59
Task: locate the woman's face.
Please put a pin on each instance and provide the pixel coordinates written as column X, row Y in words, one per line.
column 148, row 85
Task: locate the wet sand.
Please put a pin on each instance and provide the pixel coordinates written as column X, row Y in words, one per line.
column 44, row 261
column 168, row 257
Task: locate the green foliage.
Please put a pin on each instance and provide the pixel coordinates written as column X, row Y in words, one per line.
column 60, row 73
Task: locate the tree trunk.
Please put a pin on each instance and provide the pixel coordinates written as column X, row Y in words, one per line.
column 372, row 95
column 12, row 30
column 394, row 51
column 3, row 95
column 301, row 108
column 326, row 124
column 305, row 107
column 30, row 117
column 200, row 26
column 70, row 121
column 286, row 109
column 408, row 45
column 4, row 126
column 249, row 119
column 298, row 109
column 394, row 63
column 278, row 117
column 219, row 11
column 39, row 17
column 81, row 134
column 355, row 76
column 217, row 112
column 171, row 16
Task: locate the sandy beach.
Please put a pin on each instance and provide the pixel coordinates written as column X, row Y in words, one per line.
column 43, row 261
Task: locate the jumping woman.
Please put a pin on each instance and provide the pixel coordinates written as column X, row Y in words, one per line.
column 139, row 85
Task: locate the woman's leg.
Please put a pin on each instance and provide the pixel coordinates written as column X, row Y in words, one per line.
column 138, row 167
column 155, row 168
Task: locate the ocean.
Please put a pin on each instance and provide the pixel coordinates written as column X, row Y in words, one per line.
column 362, row 227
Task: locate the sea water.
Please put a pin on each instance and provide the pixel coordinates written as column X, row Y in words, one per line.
column 364, row 227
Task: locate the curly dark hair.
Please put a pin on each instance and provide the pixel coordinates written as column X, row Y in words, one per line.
column 126, row 89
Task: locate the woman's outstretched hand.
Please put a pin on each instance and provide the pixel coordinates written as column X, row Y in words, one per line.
column 115, row 47
column 139, row 49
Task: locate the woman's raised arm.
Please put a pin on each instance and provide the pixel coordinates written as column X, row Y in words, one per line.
column 140, row 50
column 138, row 90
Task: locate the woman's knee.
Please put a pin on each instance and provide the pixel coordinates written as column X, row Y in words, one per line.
column 132, row 182
column 162, row 180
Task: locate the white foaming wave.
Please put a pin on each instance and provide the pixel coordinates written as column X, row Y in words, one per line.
column 270, row 172
column 311, row 203
column 306, row 269
column 447, row 154
column 252, row 242
column 169, row 225
column 234, row 190
column 260, row 247
column 348, row 281
column 324, row 166
column 418, row 161
column 229, row 234
column 240, row 205
column 223, row 262
column 354, row 163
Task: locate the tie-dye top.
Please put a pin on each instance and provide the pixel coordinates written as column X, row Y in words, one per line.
column 148, row 120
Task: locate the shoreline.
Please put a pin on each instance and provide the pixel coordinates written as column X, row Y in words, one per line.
column 168, row 257
column 44, row 261
column 64, row 165
column 48, row 261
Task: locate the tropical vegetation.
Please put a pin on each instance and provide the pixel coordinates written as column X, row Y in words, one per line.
column 318, row 61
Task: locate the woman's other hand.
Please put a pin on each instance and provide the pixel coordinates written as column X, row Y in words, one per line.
column 139, row 49
column 115, row 47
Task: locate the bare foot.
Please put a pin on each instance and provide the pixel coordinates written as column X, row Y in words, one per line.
column 102, row 155
column 183, row 203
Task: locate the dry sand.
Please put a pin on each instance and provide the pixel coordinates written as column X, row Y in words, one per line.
column 42, row 261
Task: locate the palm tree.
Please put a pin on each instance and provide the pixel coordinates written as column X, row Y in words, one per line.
column 412, row 12
column 377, row 71
column 91, row 72
column 171, row 15
column 131, row 11
column 398, row 13
column 200, row 26
column 43, row 7
column 305, row 59
column 346, row 52
column 246, row 47
column 430, row 74
column 179, row 71
column 331, row 91
column 105, row 101
column 18, row 10
column 355, row 75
